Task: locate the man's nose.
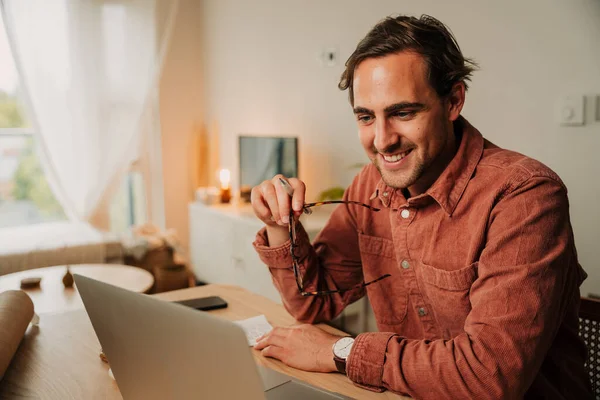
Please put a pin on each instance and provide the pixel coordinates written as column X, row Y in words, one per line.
column 384, row 135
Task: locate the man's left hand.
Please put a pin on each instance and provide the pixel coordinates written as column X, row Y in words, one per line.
column 303, row 347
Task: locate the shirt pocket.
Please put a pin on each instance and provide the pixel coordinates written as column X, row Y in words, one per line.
column 448, row 293
column 388, row 297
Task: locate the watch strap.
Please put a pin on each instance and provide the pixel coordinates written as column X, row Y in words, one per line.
column 340, row 364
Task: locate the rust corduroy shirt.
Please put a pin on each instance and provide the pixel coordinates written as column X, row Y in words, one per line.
column 483, row 296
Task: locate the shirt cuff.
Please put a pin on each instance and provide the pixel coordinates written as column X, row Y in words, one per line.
column 365, row 362
column 280, row 257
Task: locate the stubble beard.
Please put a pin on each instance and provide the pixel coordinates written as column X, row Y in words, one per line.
column 400, row 180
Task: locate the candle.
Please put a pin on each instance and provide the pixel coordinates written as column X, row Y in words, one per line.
column 225, row 178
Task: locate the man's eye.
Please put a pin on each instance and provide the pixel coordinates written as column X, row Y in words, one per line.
column 404, row 114
column 364, row 118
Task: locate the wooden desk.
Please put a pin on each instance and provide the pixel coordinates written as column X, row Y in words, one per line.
column 53, row 297
column 59, row 359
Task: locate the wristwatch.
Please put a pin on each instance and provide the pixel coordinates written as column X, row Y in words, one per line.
column 341, row 350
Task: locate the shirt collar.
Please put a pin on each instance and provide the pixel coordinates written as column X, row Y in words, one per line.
column 448, row 189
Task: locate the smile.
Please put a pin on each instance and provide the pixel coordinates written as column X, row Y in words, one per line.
column 395, row 157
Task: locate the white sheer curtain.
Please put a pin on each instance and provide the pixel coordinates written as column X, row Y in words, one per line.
column 88, row 69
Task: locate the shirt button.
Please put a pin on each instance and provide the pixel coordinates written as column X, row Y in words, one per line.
column 385, row 194
column 422, row 311
column 405, row 264
column 405, row 213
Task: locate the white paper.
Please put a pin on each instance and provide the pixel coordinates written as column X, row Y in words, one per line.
column 254, row 328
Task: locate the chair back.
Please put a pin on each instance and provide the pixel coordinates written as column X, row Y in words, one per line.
column 589, row 330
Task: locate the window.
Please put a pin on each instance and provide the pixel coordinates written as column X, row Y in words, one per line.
column 25, row 197
column 128, row 206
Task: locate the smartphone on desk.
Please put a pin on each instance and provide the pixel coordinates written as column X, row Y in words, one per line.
column 205, row 303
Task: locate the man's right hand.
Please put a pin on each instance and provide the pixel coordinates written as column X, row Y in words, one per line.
column 271, row 204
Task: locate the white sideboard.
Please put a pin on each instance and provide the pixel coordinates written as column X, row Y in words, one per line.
column 221, row 248
column 221, row 251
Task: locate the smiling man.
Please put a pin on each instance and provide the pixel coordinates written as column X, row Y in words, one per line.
column 464, row 249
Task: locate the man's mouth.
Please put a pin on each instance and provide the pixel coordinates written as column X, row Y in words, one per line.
column 395, row 157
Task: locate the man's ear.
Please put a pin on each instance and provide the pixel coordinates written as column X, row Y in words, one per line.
column 455, row 101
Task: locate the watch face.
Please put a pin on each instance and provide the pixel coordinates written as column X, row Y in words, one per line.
column 342, row 347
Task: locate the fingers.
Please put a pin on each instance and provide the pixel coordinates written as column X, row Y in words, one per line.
column 261, row 210
column 277, row 337
column 258, row 339
column 261, row 342
column 299, row 193
column 271, row 199
column 283, row 198
column 274, row 352
column 264, row 201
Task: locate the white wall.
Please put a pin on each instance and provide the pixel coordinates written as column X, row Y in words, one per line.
column 264, row 78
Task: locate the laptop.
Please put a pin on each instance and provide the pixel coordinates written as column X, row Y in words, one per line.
column 163, row 350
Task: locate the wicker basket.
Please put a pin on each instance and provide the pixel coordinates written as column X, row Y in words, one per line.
column 169, row 273
column 159, row 257
column 172, row 277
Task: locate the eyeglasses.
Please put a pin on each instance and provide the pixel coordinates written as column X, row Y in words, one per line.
column 292, row 228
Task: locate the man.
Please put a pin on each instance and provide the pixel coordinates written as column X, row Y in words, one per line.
column 470, row 264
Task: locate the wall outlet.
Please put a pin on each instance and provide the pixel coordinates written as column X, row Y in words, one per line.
column 329, row 57
column 570, row 110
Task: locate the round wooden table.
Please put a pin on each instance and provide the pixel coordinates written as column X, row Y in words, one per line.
column 53, row 296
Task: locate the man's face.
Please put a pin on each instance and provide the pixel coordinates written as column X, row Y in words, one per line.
column 404, row 126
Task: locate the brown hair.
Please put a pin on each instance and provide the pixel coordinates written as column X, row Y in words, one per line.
column 425, row 36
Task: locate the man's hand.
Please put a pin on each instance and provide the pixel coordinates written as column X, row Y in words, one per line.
column 304, row 347
column 272, row 203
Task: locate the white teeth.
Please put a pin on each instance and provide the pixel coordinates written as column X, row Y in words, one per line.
column 394, row 158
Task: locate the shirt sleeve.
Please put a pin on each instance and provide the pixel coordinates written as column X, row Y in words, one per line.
column 527, row 277
column 332, row 262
